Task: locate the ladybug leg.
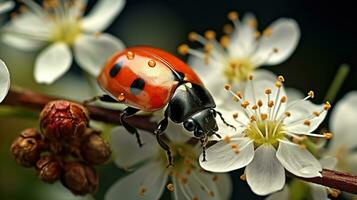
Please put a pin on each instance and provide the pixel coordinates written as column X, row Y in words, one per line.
column 128, row 112
column 203, row 141
column 158, row 132
column 105, row 98
column 224, row 121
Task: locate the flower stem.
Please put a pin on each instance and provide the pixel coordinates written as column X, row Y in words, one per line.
column 337, row 82
column 32, row 100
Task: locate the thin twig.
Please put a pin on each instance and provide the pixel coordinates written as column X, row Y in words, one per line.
column 29, row 99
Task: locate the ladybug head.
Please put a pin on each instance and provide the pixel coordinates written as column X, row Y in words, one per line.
column 202, row 123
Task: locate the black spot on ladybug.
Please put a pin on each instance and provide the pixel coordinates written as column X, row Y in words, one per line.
column 115, row 69
column 182, row 76
column 137, row 86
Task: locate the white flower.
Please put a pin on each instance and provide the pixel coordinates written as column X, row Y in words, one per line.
column 318, row 192
column 343, row 125
column 150, row 176
column 269, row 137
column 242, row 51
column 59, row 25
column 4, row 80
column 6, row 6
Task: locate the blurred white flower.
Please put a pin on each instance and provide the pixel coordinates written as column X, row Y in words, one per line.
column 150, row 176
column 6, row 6
column 318, row 192
column 4, row 80
column 57, row 26
column 240, row 52
column 343, row 124
column 269, row 136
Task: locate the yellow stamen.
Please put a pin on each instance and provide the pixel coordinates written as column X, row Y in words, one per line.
column 142, row 191
column 307, row 122
column 183, row 49
column 192, row 36
column 227, row 29
column 311, row 94
column 227, row 139
column 327, row 106
column 267, row 32
column 244, row 104
column 243, row 177
column 170, row 187
column 210, row 35
column 328, row 135
column 224, row 41
column 215, row 178
column 264, row 116
column 267, row 91
column 227, row 86
column 232, row 16
column 235, row 115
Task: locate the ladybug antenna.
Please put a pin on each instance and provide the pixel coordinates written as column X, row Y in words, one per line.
column 224, row 121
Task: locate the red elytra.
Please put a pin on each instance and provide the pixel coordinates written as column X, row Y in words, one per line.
column 144, row 77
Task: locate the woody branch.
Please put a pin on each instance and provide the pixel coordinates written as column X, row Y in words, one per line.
column 36, row 101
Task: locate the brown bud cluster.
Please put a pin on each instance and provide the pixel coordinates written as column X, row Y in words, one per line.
column 66, row 148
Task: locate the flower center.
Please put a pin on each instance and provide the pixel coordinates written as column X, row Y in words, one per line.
column 238, row 70
column 66, row 31
column 265, row 132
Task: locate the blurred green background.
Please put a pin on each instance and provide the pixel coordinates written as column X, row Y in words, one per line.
column 328, row 39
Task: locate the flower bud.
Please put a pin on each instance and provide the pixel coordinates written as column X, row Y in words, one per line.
column 49, row 169
column 63, row 121
column 95, row 150
column 80, row 178
column 27, row 147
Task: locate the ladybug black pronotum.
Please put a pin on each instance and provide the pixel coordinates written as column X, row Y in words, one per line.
column 150, row 79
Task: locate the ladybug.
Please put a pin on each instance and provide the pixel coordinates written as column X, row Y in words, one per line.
column 149, row 79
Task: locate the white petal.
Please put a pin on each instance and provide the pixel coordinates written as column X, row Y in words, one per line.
column 199, row 185
column 343, row 122
column 281, row 195
column 52, row 63
column 225, row 130
column 152, row 176
column 91, row 52
column 328, row 162
column 265, row 174
column 126, row 149
column 208, row 74
column 260, row 74
column 102, row 15
column 298, row 161
column 301, row 112
column 177, row 133
column 21, row 43
column 31, row 25
column 221, row 157
column 293, row 94
column 4, row 80
column 242, row 41
column 284, row 37
column 260, row 85
column 225, row 186
column 318, row 192
column 6, row 6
